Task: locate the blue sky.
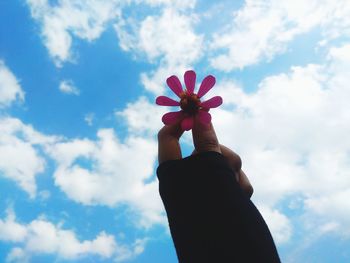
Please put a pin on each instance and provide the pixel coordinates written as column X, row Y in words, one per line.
column 78, row 122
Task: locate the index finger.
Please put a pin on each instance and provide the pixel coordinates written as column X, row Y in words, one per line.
column 168, row 143
column 204, row 136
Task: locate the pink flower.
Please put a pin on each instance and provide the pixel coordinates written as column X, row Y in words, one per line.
column 190, row 102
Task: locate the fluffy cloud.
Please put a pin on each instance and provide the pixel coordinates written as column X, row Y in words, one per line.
column 262, row 29
column 10, row 89
column 168, row 40
column 280, row 225
column 10, row 230
column 20, row 158
column 142, row 117
column 291, row 134
column 102, row 172
column 169, row 36
column 67, row 86
column 41, row 236
column 178, row 4
column 110, row 172
column 333, row 211
column 61, row 21
column 125, row 253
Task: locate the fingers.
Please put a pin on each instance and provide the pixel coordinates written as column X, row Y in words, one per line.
column 233, row 158
column 236, row 165
column 204, row 137
column 168, row 143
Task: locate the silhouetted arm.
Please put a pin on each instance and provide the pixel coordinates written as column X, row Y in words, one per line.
column 211, row 219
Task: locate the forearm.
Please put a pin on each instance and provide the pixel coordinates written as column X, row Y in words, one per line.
column 210, row 218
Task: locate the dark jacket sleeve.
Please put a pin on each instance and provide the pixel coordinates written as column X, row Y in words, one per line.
column 211, row 219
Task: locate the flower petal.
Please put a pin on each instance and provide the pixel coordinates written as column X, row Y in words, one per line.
column 190, row 80
column 175, row 85
column 187, row 123
column 172, row 117
column 207, row 83
column 204, row 117
column 212, row 103
column 165, row 101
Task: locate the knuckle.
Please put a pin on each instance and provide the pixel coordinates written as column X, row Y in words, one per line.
column 207, row 145
column 169, row 133
column 233, row 158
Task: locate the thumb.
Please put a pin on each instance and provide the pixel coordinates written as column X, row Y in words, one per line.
column 204, row 137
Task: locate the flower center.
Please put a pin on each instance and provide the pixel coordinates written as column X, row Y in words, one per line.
column 190, row 103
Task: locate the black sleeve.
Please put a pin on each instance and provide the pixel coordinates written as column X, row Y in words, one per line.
column 211, row 219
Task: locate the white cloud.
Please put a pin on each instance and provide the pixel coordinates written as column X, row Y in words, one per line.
column 178, row 4
column 68, row 87
column 41, row 236
column 168, row 40
column 262, row 29
column 102, row 172
column 259, row 30
column 143, row 116
column 291, row 134
column 116, row 173
column 280, row 225
column 61, row 21
column 125, row 253
column 17, row 255
column 169, row 35
column 45, row 237
column 89, row 118
column 20, row 159
column 10, row 89
column 10, row 230
column 334, row 211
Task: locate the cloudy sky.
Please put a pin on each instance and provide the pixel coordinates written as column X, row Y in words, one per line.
column 78, row 124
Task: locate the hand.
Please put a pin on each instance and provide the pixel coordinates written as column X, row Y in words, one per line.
column 204, row 140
